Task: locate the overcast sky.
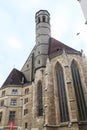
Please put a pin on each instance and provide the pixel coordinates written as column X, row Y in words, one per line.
column 17, row 29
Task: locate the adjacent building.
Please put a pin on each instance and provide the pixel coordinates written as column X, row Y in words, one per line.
column 83, row 4
column 50, row 91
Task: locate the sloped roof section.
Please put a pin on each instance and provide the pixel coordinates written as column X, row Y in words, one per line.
column 16, row 77
column 57, row 47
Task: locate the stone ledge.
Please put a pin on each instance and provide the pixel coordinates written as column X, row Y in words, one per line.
column 82, row 123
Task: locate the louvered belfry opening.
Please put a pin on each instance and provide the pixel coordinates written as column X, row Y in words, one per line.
column 81, row 104
column 40, row 99
column 64, row 115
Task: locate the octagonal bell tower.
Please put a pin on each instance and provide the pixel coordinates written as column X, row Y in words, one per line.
column 43, row 33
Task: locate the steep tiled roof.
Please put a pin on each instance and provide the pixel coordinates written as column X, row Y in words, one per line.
column 16, row 77
column 57, row 47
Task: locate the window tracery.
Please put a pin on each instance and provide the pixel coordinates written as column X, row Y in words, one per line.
column 82, row 110
column 64, row 115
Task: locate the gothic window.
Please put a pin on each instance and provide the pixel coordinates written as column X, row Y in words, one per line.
column 64, row 115
column 40, row 100
column 12, row 116
column 82, row 111
column 43, row 19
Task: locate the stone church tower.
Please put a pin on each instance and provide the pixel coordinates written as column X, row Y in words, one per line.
column 50, row 91
column 38, row 56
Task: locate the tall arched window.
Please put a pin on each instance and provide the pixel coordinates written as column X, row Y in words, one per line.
column 39, row 20
column 39, row 98
column 64, row 115
column 43, row 19
column 82, row 110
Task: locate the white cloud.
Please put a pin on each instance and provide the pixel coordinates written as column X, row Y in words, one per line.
column 83, row 32
column 79, row 37
column 58, row 27
column 14, row 43
column 66, row 24
column 80, row 33
column 59, row 21
column 66, row 20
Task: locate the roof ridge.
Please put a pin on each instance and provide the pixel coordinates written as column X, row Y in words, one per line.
column 15, row 77
column 63, row 43
column 57, row 47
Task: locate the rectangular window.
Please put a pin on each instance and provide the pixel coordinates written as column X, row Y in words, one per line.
column 2, row 103
column 25, row 100
column 0, row 116
column 26, row 90
column 14, row 92
column 12, row 116
column 25, row 111
column 26, row 124
column 3, row 93
column 13, row 102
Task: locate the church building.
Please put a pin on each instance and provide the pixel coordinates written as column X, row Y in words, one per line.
column 50, row 91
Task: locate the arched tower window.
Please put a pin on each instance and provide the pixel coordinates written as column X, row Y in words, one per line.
column 82, row 110
column 38, row 19
column 64, row 115
column 43, row 19
column 48, row 20
column 39, row 98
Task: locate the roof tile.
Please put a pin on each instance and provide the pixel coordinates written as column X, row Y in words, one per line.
column 16, row 77
column 56, row 46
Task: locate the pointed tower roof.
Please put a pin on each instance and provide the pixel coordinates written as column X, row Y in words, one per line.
column 57, row 47
column 15, row 78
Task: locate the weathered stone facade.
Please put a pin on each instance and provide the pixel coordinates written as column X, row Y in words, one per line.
column 40, row 109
